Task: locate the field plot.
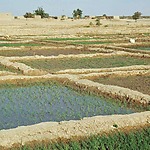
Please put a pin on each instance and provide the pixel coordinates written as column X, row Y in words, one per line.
column 143, row 48
column 47, row 52
column 83, row 63
column 84, row 41
column 93, row 42
column 43, row 102
column 137, row 83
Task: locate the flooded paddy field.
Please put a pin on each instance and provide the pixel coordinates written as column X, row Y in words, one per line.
column 48, row 101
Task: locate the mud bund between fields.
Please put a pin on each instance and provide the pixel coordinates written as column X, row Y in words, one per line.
column 79, row 79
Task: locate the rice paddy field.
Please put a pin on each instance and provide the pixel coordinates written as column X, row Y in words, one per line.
column 85, row 63
column 143, row 48
column 44, row 52
column 49, row 103
column 131, row 82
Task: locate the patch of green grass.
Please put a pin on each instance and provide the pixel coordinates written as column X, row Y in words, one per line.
column 86, row 63
column 92, row 42
column 74, row 39
column 146, row 34
column 133, row 140
column 143, row 48
column 18, row 44
column 66, row 39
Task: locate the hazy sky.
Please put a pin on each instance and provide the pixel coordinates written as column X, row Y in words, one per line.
column 66, row 7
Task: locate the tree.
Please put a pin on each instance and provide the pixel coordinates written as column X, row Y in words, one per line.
column 63, row 17
column 77, row 14
column 46, row 15
column 40, row 11
column 29, row 15
column 104, row 16
column 136, row 15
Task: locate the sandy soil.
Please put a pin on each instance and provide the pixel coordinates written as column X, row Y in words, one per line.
column 69, row 28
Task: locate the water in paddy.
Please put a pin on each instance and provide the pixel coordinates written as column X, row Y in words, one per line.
column 41, row 103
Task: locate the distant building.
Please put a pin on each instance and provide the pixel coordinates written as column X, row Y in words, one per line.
column 37, row 16
column 116, row 17
column 6, row 16
column 20, row 17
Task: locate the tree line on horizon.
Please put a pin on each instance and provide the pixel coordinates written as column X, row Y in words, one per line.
column 77, row 14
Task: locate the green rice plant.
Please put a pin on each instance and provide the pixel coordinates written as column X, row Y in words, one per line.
column 92, row 42
column 66, row 39
column 147, row 34
column 143, row 48
column 112, row 141
column 49, row 104
column 80, row 63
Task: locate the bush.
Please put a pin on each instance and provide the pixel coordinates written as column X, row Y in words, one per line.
column 98, row 23
column 29, row 15
column 91, row 24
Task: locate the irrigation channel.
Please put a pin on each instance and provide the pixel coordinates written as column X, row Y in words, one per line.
column 49, row 101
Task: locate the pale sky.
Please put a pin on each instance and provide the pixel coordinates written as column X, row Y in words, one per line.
column 66, row 7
